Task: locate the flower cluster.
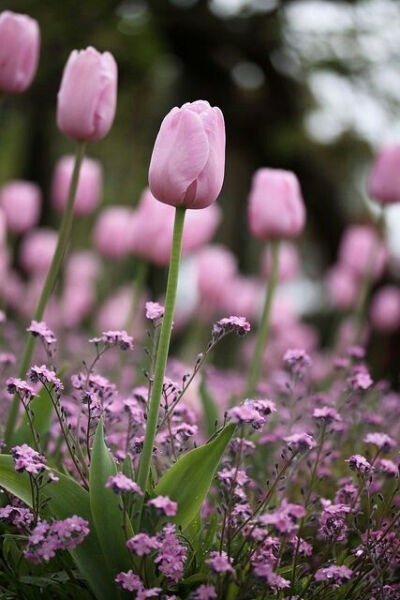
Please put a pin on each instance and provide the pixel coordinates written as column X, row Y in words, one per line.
column 47, row 538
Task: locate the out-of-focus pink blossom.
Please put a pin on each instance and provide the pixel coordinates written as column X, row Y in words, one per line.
column 243, row 296
column 21, row 202
column 37, row 250
column 276, row 207
column 288, row 262
column 361, row 250
column 385, row 309
column 89, row 185
column 216, row 267
column 87, row 97
column 113, row 231
column 342, row 286
column 19, row 51
column 384, row 181
column 188, row 161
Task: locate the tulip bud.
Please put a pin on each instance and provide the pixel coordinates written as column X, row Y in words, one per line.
column 288, row 266
column 19, row 51
column 216, row 267
column 83, row 267
column 362, row 251
column 188, row 160
column 276, row 208
column 384, row 181
column 21, row 201
column 113, row 231
column 88, row 95
column 89, row 185
column 342, row 286
column 385, row 309
column 37, row 250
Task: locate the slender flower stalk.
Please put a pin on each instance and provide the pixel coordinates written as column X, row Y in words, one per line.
column 255, row 367
column 161, row 360
column 63, row 240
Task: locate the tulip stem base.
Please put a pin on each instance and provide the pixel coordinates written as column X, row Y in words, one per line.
column 161, row 362
column 262, row 336
column 62, row 243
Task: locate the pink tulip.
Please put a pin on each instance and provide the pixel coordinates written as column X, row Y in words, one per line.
column 21, row 202
column 384, row 181
column 89, row 185
column 37, row 249
column 362, row 250
column 216, row 267
column 76, row 304
column 88, row 95
column 243, row 296
column 153, row 226
column 342, row 286
column 83, row 267
column 385, row 309
column 188, row 160
column 19, row 51
column 276, row 208
column 289, row 264
column 113, row 231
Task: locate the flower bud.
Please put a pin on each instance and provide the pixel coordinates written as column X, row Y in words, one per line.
column 362, row 251
column 188, row 161
column 276, row 208
column 19, row 51
column 384, row 181
column 113, row 231
column 88, row 95
column 385, row 309
column 37, row 250
column 342, row 286
column 89, row 185
column 216, row 268
column 21, row 202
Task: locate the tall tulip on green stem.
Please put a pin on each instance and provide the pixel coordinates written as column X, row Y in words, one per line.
column 276, row 211
column 186, row 171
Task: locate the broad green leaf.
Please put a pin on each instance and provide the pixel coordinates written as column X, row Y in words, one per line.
column 67, row 498
column 188, row 481
column 210, row 409
column 105, row 506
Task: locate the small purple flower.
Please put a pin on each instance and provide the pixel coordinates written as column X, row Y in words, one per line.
column 120, row 483
column 380, row 440
column 246, row 413
column 359, row 463
column 45, row 376
column 360, row 381
column 205, row 592
column 129, row 581
column 7, row 359
column 171, row 556
column 27, row 459
column 327, row 414
column 388, row 467
column 21, row 518
column 113, row 339
column 167, row 506
column 46, row 538
column 297, row 358
column 275, row 581
column 356, row 352
column 20, row 387
column 220, row 562
column 335, row 574
column 237, row 325
column 154, row 311
column 300, row 441
column 40, row 329
column 142, row 544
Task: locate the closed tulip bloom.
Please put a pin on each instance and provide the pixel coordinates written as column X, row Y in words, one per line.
column 216, row 267
column 384, row 181
column 385, row 309
column 276, row 207
column 289, row 264
column 19, row 51
column 362, row 251
column 88, row 95
column 188, row 161
column 89, row 185
column 113, row 231
column 37, row 250
column 83, row 267
column 343, row 286
column 21, row 203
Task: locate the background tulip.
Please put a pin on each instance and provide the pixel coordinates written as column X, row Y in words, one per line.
column 342, row 286
column 276, row 208
column 384, row 181
column 19, row 51
column 188, row 161
column 89, row 185
column 21, row 202
column 385, row 309
column 37, row 250
column 113, row 231
column 362, row 250
column 88, row 95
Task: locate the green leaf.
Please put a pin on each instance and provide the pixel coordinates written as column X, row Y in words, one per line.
column 188, row 481
column 66, row 498
column 105, row 506
column 210, row 409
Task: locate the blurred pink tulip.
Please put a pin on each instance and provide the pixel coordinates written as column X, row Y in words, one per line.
column 276, row 207
column 243, row 297
column 113, row 231
column 83, row 267
column 76, row 303
column 3, row 229
column 362, row 250
column 19, row 51
column 342, row 286
column 384, row 181
column 289, row 263
column 216, row 267
column 89, row 185
column 385, row 309
column 21, row 202
column 88, row 95
column 37, row 249
column 188, row 161
column 153, row 225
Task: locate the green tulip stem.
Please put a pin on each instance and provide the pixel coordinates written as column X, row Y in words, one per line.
column 161, row 361
column 62, row 243
column 262, row 336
